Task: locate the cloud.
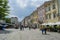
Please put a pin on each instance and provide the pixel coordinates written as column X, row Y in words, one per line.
column 20, row 19
column 26, row 3
column 12, row 15
column 22, row 3
column 37, row 3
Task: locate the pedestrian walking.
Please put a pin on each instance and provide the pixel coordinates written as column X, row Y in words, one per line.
column 21, row 27
column 45, row 30
column 29, row 28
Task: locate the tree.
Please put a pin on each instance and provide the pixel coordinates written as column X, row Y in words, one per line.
column 8, row 20
column 4, row 9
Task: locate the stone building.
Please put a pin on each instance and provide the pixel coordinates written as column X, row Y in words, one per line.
column 51, row 8
column 34, row 18
column 41, row 14
column 14, row 21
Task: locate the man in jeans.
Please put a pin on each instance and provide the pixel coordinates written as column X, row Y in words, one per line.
column 43, row 31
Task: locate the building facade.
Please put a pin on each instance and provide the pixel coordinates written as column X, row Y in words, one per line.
column 51, row 9
column 23, row 22
column 58, row 6
column 14, row 21
column 49, row 12
column 27, row 20
column 34, row 18
column 41, row 13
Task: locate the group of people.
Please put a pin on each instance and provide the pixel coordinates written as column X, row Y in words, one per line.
column 21, row 27
column 43, row 29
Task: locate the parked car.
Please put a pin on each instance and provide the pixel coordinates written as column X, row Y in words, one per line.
column 3, row 25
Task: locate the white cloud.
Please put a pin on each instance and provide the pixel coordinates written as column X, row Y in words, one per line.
column 37, row 3
column 12, row 15
column 22, row 3
column 20, row 19
column 34, row 0
column 25, row 3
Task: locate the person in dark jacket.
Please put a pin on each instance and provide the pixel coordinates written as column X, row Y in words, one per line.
column 45, row 30
column 21, row 27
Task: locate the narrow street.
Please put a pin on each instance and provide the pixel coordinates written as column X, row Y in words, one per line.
column 16, row 34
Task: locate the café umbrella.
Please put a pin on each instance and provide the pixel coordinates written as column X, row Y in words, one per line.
column 57, row 23
column 48, row 24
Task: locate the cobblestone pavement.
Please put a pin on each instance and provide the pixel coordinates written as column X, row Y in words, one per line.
column 13, row 34
column 10, row 34
column 36, row 35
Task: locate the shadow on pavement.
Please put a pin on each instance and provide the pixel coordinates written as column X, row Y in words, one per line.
column 5, row 32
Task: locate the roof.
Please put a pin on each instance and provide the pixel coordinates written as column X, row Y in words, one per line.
column 47, row 3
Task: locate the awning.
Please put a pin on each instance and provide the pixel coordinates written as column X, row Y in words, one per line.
column 51, row 24
column 44, row 24
column 57, row 23
column 48, row 24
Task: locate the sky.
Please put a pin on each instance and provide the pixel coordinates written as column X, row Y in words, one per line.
column 23, row 8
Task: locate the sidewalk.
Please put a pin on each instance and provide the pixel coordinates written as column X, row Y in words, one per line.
column 14, row 36
column 10, row 34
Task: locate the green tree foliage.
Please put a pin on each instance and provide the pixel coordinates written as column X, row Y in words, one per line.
column 8, row 20
column 4, row 8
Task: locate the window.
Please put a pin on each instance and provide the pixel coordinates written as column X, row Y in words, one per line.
column 47, row 9
column 46, row 16
column 54, row 15
column 54, row 6
column 49, row 16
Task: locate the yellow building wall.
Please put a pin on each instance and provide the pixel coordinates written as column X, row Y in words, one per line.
column 52, row 20
column 53, row 10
